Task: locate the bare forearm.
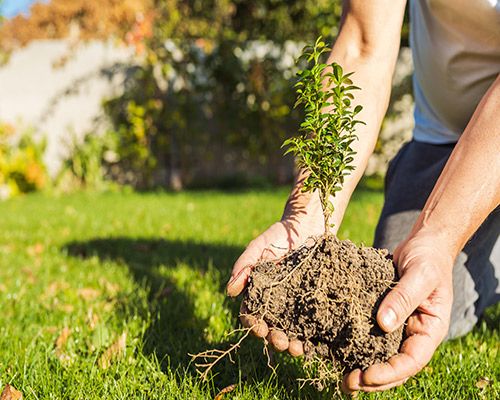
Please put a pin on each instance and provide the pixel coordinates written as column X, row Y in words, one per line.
column 368, row 45
column 469, row 186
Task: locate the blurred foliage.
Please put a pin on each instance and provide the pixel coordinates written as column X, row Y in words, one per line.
column 211, row 93
column 78, row 19
column 21, row 162
column 88, row 163
column 213, row 75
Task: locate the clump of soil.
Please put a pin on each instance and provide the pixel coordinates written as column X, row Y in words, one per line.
column 326, row 294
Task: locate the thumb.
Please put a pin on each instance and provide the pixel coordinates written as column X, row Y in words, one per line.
column 255, row 252
column 270, row 245
column 414, row 287
column 241, row 271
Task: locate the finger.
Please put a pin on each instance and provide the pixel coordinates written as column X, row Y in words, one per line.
column 238, row 281
column 296, row 348
column 278, row 340
column 381, row 388
column 242, row 269
column 258, row 326
column 353, row 382
column 257, row 250
column 415, row 353
column 414, row 287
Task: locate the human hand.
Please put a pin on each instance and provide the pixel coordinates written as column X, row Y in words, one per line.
column 424, row 296
column 294, row 228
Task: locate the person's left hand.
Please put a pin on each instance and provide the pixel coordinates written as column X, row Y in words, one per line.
column 424, row 295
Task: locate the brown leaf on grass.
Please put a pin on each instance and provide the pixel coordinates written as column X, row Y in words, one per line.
column 92, row 319
column 114, row 352
column 111, row 289
column 67, row 308
column 10, row 393
column 36, row 249
column 7, row 249
column 226, row 390
column 60, row 345
column 483, row 382
column 88, row 294
column 50, row 329
column 109, row 306
column 29, row 275
column 53, row 289
column 63, row 338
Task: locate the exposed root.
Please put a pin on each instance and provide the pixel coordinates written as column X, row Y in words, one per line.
column 212, row 357
column 321, row 374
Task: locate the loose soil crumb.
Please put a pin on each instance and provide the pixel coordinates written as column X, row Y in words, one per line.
column 326, row 294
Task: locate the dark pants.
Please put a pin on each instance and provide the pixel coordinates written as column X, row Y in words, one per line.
column 410, row 179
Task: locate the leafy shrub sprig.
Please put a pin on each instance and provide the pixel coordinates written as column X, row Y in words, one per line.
column 323, row 148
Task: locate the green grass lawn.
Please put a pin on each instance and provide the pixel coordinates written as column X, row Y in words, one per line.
column 102, row 296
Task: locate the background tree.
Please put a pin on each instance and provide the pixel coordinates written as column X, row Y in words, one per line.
column 217, row 74
column 60, row 18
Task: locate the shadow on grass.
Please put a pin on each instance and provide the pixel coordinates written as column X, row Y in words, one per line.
column 176, row 330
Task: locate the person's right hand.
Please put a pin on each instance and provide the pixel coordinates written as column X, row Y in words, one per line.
column 297, row 224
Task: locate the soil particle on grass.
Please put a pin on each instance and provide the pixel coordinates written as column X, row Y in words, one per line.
column 326, row 294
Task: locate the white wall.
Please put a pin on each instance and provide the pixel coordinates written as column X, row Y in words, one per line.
column 57, row 101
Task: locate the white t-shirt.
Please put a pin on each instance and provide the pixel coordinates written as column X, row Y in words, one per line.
column 456, row 52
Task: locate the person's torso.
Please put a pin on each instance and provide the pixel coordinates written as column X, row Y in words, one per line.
column 456, row 53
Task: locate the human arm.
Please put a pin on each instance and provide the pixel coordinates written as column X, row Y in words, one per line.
column 467, row 191
column 368, row 44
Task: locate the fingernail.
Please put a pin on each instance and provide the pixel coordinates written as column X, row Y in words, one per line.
column 388, row 319
column 231, row 280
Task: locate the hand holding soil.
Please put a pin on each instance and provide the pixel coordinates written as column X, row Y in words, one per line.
column 424, row 296
column 303, row 218
column 319, row 299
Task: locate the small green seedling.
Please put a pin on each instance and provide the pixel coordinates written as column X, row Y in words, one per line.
column 323, row 148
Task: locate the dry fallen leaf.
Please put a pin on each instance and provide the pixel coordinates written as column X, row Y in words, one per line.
column 10, row 393
column 51, row 329
column 36, row 250
column 54, row 289
column 114, row 352
column 60, row 345
column 109, row 306
column 92, row 319
column 67, row 308
column 483, row 382
column 226, row 390
column 29, row 275
column 88, row 294
column 63, row 338
column 111, row 288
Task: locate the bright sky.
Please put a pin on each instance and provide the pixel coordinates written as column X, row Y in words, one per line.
column 10, row 8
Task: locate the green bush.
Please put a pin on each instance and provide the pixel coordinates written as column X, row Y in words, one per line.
column 89, row 163
column 22, row 168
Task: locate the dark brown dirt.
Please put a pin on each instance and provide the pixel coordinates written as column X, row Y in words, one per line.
column 326, row 294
